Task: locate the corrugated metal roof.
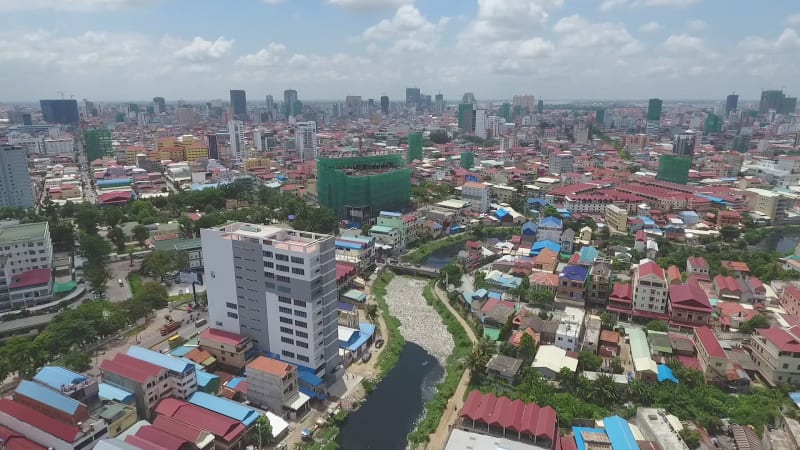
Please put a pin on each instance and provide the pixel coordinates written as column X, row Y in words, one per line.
column 117, row 394
column 47, row 396
column 228, row 408
column 161, row 360
column 66, row 433
column 56, row 377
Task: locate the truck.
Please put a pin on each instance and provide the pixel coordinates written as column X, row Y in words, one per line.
column 169, row 328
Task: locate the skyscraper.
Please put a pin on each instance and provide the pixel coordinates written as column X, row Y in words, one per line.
column 64, row 112
column 239, row 104
column 16, row 189
column 525, row 102
column 276, row 286
column 412, row 96
column 414, row 146
column 238, row 145
column 270, row 108
column 466, row 117
column 772, row 99
column 352, row 105
column 305, row 140
column 98, row 143
column 468, row 97
column 654, row 106
column 674, row 169
column 291, row 105
column 438, row 106
column 683, row 143
column 385, row 104
column 731, row 104
column 159, row 105
column 713, row 124
column 540, row 107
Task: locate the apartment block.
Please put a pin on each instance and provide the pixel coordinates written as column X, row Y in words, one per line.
column 650, row 290
column 146, row 381
column 16, row 189
column 26, row 255
column 276, row 286
column 617, row 218
column 776, row 353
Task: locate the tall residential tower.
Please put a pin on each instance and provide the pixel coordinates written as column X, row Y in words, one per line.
column 239, row 104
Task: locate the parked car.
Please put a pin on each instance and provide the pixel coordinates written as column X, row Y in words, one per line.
column 366, row 356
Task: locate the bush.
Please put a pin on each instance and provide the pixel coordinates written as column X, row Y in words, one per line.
column 454, row 368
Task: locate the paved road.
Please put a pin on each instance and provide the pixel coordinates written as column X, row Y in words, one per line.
column 438, row 439
column 119, row 271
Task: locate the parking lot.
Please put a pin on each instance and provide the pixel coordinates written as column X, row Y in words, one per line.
column 119, row 271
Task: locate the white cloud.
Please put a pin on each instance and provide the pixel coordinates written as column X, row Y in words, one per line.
column 269, row 56
column 611, row 4
column 408, row 30
column 794, row 19
column 369, row 4
column 684, row 43
column 606, row 37
column 507, row 19
column 202, row 50
column 697, row 25
column 66, row 5
column 650, row 27
column 273, row 2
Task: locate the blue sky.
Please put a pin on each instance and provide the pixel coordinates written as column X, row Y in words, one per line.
column 327, row 49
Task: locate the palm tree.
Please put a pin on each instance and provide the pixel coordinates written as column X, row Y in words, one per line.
column 603, row 391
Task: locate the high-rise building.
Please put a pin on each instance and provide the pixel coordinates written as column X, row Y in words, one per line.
column 600, row 116
column 505, row 111
column 481, row 124
column 468, row 97
column 713, row 124
column 184, row 115
column 385, row 104
column 654, row 106
column 291, row 105
column 305, row 140
column 270, row 108
column 414, row 146
column 674, row 169
column 353, row 105
column 98, row 143
column 239, row 104
column 64, row 112
column 438, row 106
column 683, row 143
column 789, row 105
column 25, row 276
column 771, row 99
column 731, row 104
column 412, row 96
column 88, row 109
column 276, row 286
column 741, row 143
column 562, row 163
column 16, row 189
column 466, row 117
column 237, row 139
column 159, row 105
column 581, row 133
column 467, row 160
column 27, row 119
column 525, row 102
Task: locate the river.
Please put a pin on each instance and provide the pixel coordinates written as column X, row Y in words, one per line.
column 393, row 408
column 779, row 242
column 443, row 256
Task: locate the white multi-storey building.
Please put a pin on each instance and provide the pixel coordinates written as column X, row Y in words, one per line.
column 59, row 146
column 481, row 123
column 477, row 194
column 276, row 286
column 237, row 139
column 305, row 140
column 562, row 163
column 16, row 189
column 650, row 288
column 776, row 353
column 569, row 329
column 27, row 259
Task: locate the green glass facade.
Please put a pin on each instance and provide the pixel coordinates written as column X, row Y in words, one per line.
column 654, row 106
column 467, row 160
column 360, row 187
column 98, row 143
column 600, row 115
column 466, row 117
column 741, row 144
column 674, row 169
column 713, row 124
column 414, row 146
column 505, row 112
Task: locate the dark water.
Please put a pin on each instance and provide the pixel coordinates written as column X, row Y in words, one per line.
column 393, row 408
column 779, row 242
column 444, row 255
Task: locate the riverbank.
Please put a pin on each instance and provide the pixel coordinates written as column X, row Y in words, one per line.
column 394, row 341
column 424, row 251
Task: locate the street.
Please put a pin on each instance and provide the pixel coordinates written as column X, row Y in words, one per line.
column 119, row 271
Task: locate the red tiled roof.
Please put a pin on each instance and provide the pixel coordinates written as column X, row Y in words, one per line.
column 674, row 274
column 30, row 278
column 161, row 437
column 221, row 426
column 726, row 282
column 142, row 443
column 698, row 261
column 690, row 362
column 650, row 268
column 544, row 279
column 568, row 443
column 270, row 366
column 706, row 337
column 222, row 336
column 178, row 428
column 689, row 296
column 737, row 266
column 492, row 302
column 609, row 336
column 526, row 418
column 785, row 341
column 730, row 309
column 131, row 368
column 16, row 441
column 622, row 291
column 23, row 413
column 343, row 271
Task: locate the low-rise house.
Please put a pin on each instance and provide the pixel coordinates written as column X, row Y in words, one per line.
column 227, row 431
column 570, row 329
column 600, row 275
column 650, row 291
column 620, row 301
column 50, row 402
column 734, row 314
column 550, row 359
column 181, row 374
column 609, row 344
column 49, row 431
column 500, row 416
column 148, row 382
column 546, row 261
column 572, row 284
column 698, row 266
column 739, row 269
column 504, row 368
column 689, row 305
column 727, row 288
column 232, row 351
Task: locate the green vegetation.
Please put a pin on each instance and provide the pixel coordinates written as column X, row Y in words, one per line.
column 479, row 232
column 394, row 341
column 454, row 370
column 452, row 273
column 658, row 325
column 757, row 321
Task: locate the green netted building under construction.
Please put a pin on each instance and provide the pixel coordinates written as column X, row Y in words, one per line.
column 360, row 187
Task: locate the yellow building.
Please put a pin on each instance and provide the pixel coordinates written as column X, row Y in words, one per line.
column 119, row 417
column 617, row 218
column 251, row 164
column 193, row 148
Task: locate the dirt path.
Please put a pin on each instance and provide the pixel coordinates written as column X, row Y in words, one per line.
column 438, row 439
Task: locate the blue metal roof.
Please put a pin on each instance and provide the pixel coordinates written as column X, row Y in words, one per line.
column 500, row 213
column 235, row 382
column 529, row 228
column 551, row 221
column 161, row 360
column 205, row 378
column 588, row 255
column 646, row 220
column 348, row 245
column 345, row 306
column 117, row 394
column 537, row 201
column 225, row 407
column 538, row 246
column 48, row 396
column 365, row 332
column 181, row 351
column 56, row 377
column 688, row 213
column 620, row 434
column 390, row 214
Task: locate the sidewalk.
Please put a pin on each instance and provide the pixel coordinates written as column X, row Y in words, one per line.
column 438, row 439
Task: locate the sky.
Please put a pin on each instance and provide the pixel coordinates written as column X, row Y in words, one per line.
column 106, row 50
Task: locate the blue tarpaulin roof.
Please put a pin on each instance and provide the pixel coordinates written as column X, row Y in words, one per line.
column 500, row 213
column 111, row 392
column 665, row 374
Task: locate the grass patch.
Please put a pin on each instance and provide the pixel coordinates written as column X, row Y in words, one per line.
column 394, row 341
column 454, row 368
column 135, row 283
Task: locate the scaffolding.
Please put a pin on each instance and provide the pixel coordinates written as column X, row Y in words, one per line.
column 359, row 187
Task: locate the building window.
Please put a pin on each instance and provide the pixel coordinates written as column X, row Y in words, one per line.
column 286, row 330
column 303, row 334
column 287, row 340
column 268, row 254
column 283, row 279
column 233, row 315
column 297, row 260
column 269, row 274
column 299, row 303
column 282, row 319
column 285, row 310
column 231, row 305
column 299, row 313
column 303, row 358
column 268, row 264
column 287, row 353
column 282, row 268
column 285, row 300
column 300, row 323
column 281, row 257
column 301, row 344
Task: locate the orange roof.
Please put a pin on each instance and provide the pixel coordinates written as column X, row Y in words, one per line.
column 737, row 266
column 609, row 336
column 271, row 366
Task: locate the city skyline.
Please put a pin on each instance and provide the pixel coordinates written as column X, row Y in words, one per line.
column 626, row 49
